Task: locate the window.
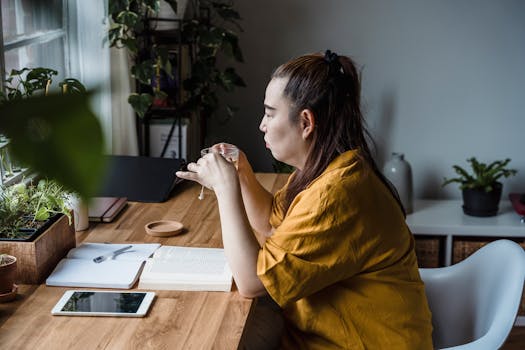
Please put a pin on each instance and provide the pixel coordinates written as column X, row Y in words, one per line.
column 65, row 35
column 34, row 34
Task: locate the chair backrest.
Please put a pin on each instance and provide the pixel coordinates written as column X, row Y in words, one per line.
column 474, row 303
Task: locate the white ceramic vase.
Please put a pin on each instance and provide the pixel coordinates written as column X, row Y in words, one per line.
column 399, row 172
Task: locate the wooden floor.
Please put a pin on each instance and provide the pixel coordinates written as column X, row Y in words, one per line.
column 516, row 339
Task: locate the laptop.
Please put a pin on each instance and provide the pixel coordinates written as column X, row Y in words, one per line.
column 140, row 179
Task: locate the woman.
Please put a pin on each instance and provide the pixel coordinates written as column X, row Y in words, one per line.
column 332, row 248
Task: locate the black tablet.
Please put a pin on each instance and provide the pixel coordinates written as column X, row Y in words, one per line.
column 103, row 303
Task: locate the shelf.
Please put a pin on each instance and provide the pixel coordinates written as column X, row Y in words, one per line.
column 446, row 218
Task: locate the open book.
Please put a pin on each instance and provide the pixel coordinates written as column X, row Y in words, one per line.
column 185, row 268
column 78, row 269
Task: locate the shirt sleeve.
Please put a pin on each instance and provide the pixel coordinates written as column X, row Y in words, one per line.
column 277, row 213
column 310, row 249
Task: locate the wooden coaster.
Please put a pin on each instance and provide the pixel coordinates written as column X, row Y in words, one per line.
column 164, row 228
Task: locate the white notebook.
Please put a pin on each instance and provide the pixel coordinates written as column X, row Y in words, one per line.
column 187, row 268
column 78, row 269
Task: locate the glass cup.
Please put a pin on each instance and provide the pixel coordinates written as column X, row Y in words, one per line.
column 229, row 152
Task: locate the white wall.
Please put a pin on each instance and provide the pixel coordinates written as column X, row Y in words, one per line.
column 442, row 80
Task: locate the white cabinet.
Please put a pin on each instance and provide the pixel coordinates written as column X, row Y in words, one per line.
column 446, row 218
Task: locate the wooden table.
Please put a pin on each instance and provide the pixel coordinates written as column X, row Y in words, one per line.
column 176, row 320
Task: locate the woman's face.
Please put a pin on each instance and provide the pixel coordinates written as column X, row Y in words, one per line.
column 282, row 136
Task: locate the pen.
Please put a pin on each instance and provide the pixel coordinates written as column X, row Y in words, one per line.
column 101, row 258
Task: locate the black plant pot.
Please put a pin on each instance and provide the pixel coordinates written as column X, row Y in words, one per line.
column 477, row 202
column 29, row 234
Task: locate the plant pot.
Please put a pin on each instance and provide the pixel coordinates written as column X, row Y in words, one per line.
column 477, row 202
column 36, row 259
column 32, row 229
column 7, row 275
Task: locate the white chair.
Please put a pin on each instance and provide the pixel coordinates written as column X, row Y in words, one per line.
column 474, row 303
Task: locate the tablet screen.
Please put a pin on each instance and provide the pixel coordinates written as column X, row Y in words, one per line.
column 104, row 302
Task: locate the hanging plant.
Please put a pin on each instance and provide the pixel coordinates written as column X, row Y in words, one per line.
column 212, row 29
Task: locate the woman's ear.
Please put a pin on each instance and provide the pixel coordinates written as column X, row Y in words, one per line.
column 307, row 123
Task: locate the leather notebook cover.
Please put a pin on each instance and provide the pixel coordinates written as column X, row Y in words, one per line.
column 140, row 179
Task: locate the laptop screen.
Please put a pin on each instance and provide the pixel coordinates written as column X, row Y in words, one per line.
column 140, row 179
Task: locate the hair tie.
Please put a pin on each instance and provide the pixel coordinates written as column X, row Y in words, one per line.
column 333, row 62
column 330, row 56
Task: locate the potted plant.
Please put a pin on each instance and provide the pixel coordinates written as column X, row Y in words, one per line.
column 7, row 277
column 27, row 210
column 211, row 31
column 481, row 189
column 35, row 226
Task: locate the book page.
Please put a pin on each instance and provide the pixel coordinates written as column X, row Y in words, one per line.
column 89, row 251
column 185, row 268
column 86, row 273
column 186, row 260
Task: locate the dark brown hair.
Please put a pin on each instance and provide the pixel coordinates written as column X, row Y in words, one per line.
column 330, row 87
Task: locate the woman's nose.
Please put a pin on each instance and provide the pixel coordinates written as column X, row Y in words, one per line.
column 262, row 126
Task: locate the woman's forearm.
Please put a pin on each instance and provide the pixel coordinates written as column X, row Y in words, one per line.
column 257, row 201
column 240, row 245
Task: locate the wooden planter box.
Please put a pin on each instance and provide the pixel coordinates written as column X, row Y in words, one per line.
column 38, row 258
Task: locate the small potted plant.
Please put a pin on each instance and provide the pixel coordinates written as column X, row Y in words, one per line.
column 36, row 227
column 7, row 277
column 26, row 211
column 481, row 189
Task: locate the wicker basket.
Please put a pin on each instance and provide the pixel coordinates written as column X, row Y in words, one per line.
column 429, row 250
column 466, row 246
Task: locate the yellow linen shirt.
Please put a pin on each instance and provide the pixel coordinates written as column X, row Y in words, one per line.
column 342, row 266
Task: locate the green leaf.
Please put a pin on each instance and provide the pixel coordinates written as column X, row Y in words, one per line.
column 484, row 176
column 144, row 71
column 153, row 5
column 140, row 103
column 232, row 76
column 42, row 214
column 59, row 137
column 231, row 46
column 72, row 86
column 127, row 18
column 211, row 37
column 161, row 95
column 116, row 6
column 130, row 43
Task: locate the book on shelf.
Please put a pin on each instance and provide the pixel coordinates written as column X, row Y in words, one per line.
column 78, row 268
column 187, row 268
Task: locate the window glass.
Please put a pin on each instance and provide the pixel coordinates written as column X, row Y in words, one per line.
column 47, row 54
column 27, row 17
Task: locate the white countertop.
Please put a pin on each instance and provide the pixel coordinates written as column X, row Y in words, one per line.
column 446, row 217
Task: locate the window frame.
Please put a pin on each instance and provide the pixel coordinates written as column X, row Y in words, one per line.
column 40, row 37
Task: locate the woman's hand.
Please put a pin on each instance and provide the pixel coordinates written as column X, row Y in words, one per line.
column 212, row 171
